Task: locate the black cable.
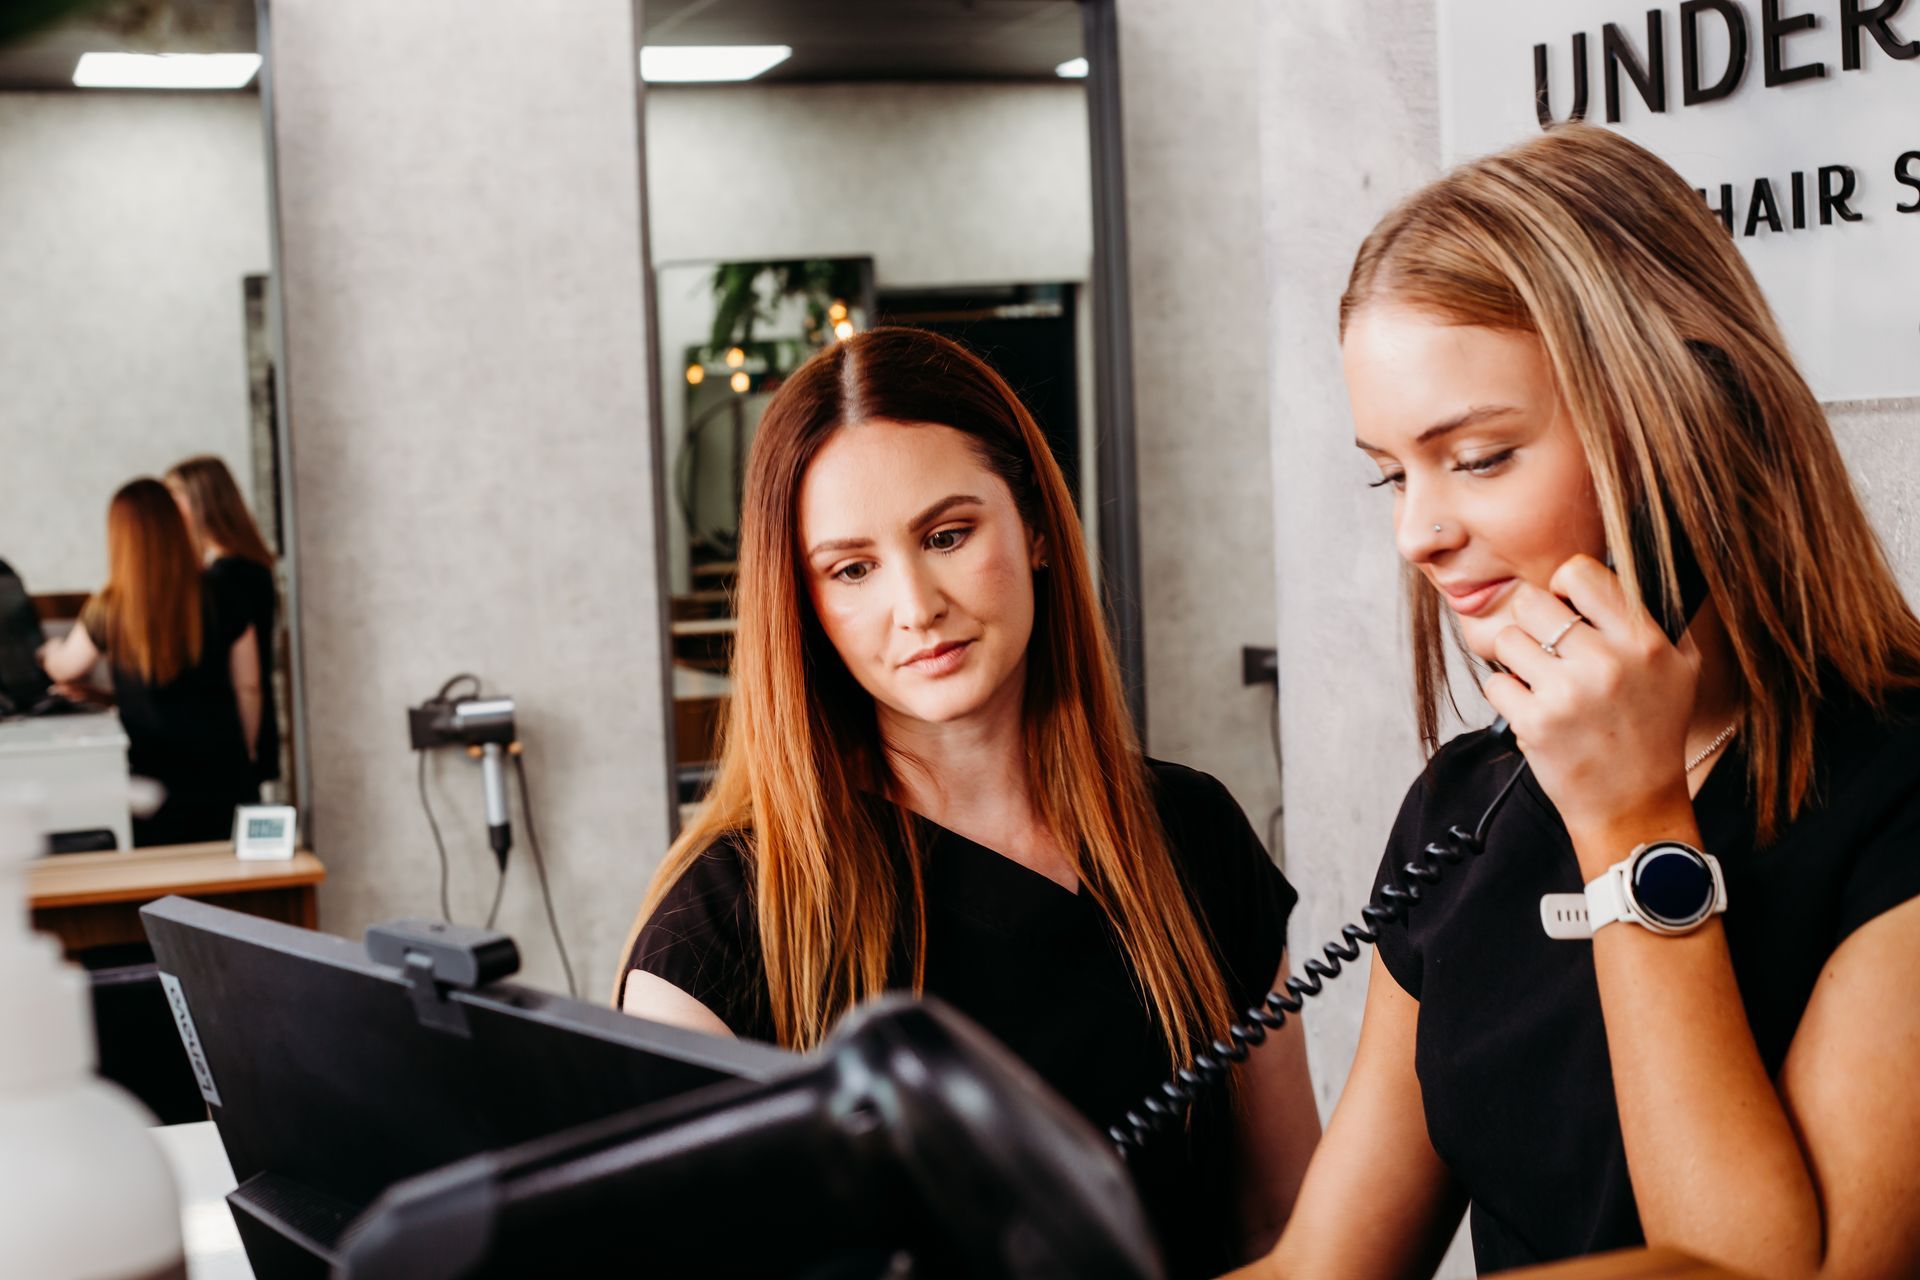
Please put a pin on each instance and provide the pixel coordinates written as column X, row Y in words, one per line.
column 447, row 688
column 1168, row 1105
column 499, row 892
column 1274, row 850
column 540, row 865
column 440, row 845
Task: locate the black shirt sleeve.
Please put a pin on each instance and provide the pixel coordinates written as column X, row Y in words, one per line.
column 1243, row 897
column 1886, row 870
column 234, row 598
column 704, row 939
column 1396, row 947
column 1455, row 788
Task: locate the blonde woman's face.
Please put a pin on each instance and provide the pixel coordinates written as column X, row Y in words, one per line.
column 919, row 567
column 1471, row 437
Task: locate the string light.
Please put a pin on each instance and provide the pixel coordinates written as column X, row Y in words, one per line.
column 735, row 357
column 843, row 330
column 740, row 382
column 695, row 375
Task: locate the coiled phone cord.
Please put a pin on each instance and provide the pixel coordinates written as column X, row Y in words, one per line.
column 1166, row 1106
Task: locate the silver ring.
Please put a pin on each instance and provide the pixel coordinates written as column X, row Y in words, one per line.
column 1547, row 648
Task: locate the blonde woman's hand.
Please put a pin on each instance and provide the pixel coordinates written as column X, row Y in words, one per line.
column 1602, row 718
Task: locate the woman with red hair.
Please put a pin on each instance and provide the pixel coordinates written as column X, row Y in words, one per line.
column 929, row 780
column 181, row 670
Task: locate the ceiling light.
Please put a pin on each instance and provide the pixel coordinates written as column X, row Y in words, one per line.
column 165, row 70
column 695, row 63
column 1072, row 69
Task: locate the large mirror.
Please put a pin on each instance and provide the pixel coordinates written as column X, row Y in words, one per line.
column 136, row 341
column 880, row 162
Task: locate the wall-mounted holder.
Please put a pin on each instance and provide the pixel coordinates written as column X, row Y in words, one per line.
column 484, row 726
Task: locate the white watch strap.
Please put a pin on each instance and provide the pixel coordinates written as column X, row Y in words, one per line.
column 1564, row 916
column 1607, row 895
column 1571, row 917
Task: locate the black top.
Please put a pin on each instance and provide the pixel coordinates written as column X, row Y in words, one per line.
column 22, row 682
column 184, row 734
column 1036, row 965
column 245, row 590
column 1511, row 1051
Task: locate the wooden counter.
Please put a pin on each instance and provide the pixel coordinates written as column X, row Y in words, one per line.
column 94, row 899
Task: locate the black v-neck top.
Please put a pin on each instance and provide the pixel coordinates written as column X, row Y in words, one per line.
column 1511, row 1050
column 1036, row 965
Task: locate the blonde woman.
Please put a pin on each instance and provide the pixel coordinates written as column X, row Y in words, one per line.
column 930, row 782
column 1537, row 346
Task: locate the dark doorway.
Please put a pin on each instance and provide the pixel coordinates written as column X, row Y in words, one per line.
column 1026, row 332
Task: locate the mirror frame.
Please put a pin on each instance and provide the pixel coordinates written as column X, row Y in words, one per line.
column 295, row 730
column 1116, row 483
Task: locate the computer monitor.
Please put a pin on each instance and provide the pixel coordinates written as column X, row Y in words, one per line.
column 332, row 1076
column 22, row 681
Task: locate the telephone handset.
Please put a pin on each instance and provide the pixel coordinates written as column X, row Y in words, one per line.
column 1167, row 1105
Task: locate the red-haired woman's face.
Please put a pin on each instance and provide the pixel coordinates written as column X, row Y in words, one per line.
column 920, row 569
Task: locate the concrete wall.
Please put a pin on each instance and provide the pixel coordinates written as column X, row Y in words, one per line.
column 942, row 184
column 459, row 196
column 127, row 221
column 1191, row 112
column 1350, row 123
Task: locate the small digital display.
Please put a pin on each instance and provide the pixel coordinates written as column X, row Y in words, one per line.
column 266, row 828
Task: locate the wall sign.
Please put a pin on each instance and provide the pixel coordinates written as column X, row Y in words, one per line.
column 1797, row 120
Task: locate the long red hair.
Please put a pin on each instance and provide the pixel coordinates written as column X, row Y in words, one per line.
column 802, row 744
column 153, row 584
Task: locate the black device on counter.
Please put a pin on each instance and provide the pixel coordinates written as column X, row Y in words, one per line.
column 23, row 684
column 1167, row 1106
column 398, row 1111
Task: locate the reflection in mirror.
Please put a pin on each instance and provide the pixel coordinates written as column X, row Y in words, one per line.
column 135, row 343
column 915, row 162
column 733, row 331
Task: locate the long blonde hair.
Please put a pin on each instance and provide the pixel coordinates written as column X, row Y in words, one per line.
column 801, row 742
column 1684, row 397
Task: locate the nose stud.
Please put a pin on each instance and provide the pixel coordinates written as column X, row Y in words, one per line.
column 1436, row 528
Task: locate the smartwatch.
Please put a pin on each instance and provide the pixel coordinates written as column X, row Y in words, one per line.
column 1667, row 887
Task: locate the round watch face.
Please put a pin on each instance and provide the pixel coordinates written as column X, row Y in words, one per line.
column 1671, row 884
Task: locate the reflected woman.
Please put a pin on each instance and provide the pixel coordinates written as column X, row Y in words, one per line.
column 239, row 573
column 929, row 781
column 182, row 670
column 1536, row 347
